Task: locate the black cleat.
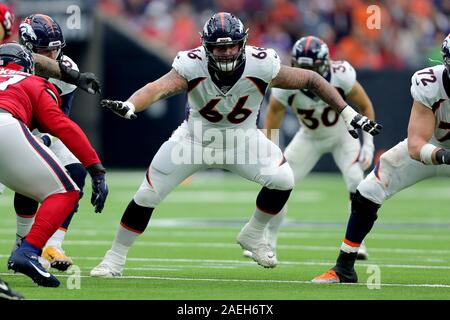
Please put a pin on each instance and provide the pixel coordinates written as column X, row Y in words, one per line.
column 7, row 293
column 27, row 262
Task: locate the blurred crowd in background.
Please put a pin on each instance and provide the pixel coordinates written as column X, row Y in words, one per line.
column 411, row 30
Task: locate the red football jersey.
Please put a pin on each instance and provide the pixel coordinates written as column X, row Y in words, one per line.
column 7, row 20
column 36, row 102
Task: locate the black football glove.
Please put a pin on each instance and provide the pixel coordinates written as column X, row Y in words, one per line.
column 124, row 109
column 353, row 120
column 83, row 80
column 99, row 187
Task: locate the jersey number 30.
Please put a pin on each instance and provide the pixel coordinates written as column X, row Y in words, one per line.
column 312, row 122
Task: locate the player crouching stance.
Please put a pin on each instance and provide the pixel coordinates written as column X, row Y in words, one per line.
column 28, row 167
column 416, row 158
column 225, row 82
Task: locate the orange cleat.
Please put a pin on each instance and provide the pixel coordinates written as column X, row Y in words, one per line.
column 328, row 277
column 57, row 258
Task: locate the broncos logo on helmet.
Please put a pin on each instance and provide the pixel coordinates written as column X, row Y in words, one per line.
column 446, row 53
column 223, row 28
column 311, row 53
column 41, row 32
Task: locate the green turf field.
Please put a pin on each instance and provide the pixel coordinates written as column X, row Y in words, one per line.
column 189, row 249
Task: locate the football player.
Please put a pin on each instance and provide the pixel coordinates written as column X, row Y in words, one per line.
column 28, row 167
column 424, row 154
column 43, row 35
column 6, row 21
column 226, row 81
column 321, row 129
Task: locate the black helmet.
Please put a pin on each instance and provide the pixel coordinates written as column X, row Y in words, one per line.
column 223, row 28
column 17, row 57
column 446, row 53
column 311, row 53
column 40, row 31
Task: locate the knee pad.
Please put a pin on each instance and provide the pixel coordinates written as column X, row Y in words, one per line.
column 283, row 179
column 372, row 189
column 25, row 206
column 78, row 174
column 364, row 206
column 147, row 196
column 136, row 217
column 271, row 200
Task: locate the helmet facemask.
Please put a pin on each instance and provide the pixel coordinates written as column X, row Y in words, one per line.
column 225, row 63
column 322, row 67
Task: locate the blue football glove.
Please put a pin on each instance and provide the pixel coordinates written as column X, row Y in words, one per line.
column 99, row 187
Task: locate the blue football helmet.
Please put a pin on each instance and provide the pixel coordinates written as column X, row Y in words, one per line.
column 311, row 53
column 224, row 28
column 40, row 32
column 17, row 57
column 446, row 53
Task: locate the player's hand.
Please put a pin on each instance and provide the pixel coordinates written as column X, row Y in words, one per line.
column 124, row 109
column 89, row 83
column 99, row 187
column 365, row 157
column 86, row 81
column 353, row 120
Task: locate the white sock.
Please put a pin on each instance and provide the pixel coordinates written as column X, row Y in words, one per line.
column 260, row 219
column 23, row 225
column 273, row 227
column 122, row 243
column 56, row 239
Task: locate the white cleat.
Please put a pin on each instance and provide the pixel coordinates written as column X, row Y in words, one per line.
column 363, row 254
column 105, row 270
column 253, row 240
column 247, row 254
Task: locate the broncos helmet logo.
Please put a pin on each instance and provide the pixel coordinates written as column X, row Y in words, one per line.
column 26, row 35
column 446, row 52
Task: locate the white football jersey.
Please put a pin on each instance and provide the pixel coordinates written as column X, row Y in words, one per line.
column 431, row 86
column 226, row 108
column 64, row 87
column 316, row 117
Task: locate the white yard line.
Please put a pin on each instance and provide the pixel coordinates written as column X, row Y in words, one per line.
column 419, row 285
column 232, row 245
column 251, row 263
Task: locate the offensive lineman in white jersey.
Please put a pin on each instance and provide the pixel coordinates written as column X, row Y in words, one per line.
column 321, row 129
column 43, row 35
column 424, row 154
column 226, row 82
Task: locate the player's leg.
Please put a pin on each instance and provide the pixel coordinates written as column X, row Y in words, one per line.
column 26, row 209
column 302, row 154
column 345, row 154
column 394, row 172
column 275, row 175
column 160, row 179
column 22, row 157
column 53, row 250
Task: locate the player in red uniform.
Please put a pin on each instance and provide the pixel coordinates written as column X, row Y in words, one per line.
column 26, row 165
column 6, row 22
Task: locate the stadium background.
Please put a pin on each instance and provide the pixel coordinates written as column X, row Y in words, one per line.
column 190, row 250
column 128, row 43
